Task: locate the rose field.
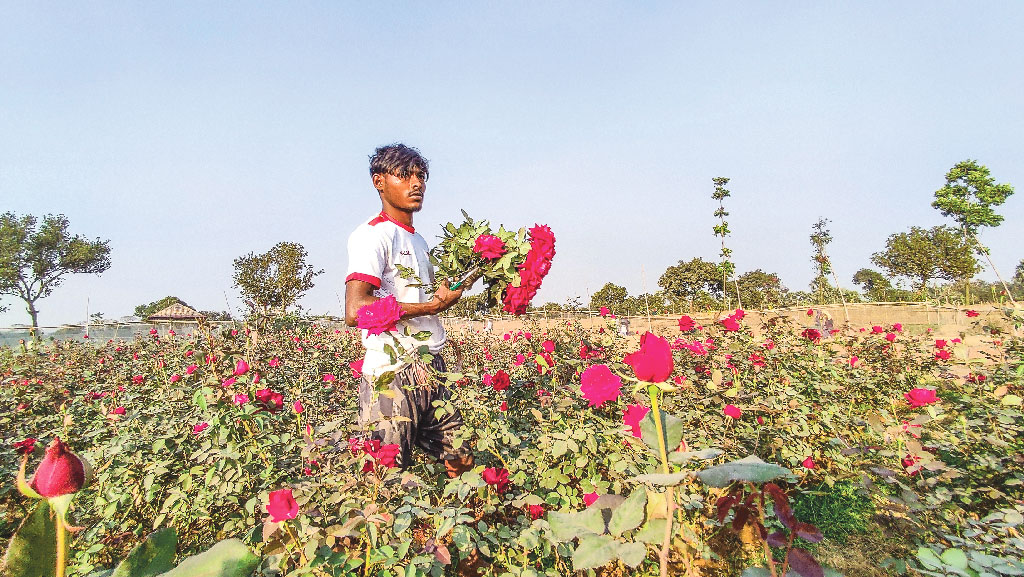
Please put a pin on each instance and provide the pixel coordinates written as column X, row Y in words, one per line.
column 734, row 445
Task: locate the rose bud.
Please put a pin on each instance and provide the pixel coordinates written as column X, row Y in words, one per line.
column 61, row 472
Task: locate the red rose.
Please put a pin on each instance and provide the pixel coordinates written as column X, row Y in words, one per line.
column 808, row 463
column 653, row 362
column 972, row 313
column 241, row 368
column 813, row 335
column 548, row 346
column 604, row 311
column 270, row 400
column 732, row 411
column 920, row 397
column 357, row 368
column 497, row 478
column 599, row 384
column 60, row 473
column 686, row 324
column 281, row 505
column 730, row 324
column 25, row 447
column 489, row 246
column 380, row 316
column 590, row 498
column 632, row 417
column 536, row 511
column 500, row 380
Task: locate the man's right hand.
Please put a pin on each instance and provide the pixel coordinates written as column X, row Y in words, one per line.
column 445, row 298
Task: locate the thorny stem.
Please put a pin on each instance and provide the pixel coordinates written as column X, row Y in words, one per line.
column 767, row 549
column 302, row 553
column 653, row 391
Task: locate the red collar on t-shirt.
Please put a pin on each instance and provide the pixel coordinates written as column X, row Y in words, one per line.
column 383, row 216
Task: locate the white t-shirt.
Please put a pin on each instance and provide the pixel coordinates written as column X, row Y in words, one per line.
column 381, row 252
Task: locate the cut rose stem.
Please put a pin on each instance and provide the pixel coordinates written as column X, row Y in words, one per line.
column 61, row 545
column 654, row 393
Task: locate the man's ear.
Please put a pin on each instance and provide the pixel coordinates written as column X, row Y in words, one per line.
column 378, row 182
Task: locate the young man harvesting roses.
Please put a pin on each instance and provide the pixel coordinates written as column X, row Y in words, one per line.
column 388, row 258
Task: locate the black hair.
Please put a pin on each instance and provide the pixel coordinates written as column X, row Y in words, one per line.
column 398, row 160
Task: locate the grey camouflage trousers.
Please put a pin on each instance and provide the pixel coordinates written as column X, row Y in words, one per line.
column 413, row 399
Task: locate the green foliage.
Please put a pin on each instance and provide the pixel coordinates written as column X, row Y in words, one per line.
column 32, row 551
column 839, row 510
column 275, row 279
column 453, row 257
column 610, row 295
column 761, row 290
column 922, row 255
column 143, row 311
column 155, row 470
column 695, row 282
column 34, row 261
column 968, row 196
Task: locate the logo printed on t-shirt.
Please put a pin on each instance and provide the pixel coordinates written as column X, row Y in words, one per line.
column 405, row 253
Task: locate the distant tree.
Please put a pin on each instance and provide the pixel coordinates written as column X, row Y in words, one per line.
column 217, row 315
column 1018, row 276
column 760, row 290
column 820, row 239
column 876, row 286
column 274, row 280
column 696, row 283
column 143, row 311
column 610, row 295
column 469, row 306
column 34, row 261
column 968, row 196
column 923, row 255
column 721, row 230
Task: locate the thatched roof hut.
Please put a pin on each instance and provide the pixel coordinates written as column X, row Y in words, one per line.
column 176, row 312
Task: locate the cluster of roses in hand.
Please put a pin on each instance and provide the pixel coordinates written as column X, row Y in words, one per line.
column 532, row 271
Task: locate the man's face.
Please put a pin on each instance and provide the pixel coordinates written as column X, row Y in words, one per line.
column 405, row 194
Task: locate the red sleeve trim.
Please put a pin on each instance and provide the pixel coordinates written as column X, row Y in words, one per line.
column 365, row 278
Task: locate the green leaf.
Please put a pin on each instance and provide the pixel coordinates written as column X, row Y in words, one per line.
column 153, row 556
column 928, row 558
column 228, row 558
column 673, row 427
column 568, row 526
column 749, row 468
column 629, row 514
column 632, row 554
column 684, row 457
column 32, row 551
column 653, row 531
column 663, row 479
column 954, row 558
column 593, row 551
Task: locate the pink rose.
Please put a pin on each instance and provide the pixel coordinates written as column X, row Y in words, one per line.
column 732, row 411
column 632, row 417
column 590, row 498
column 920, row 397
column 653, row 362
column 61, row 472
column 241, row 368
column 599, row 384
column 686, row 324
column 489, row 246
column 380, row 316
column 282, row 506
column 500, row 380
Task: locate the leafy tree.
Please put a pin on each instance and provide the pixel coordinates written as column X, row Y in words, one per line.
column 820, row 239
column 610, row 295
column 469, row 306
column 761, row 290
column 875, row 285
column 923, row 255
column 722, row 230
column 34, row 261
column 1018, row 276
column 275, row 279
column 143, row 311
column 968, row 196
column 217, row 315
column 696, row 282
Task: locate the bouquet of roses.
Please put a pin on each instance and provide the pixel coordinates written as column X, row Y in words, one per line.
column 511, row 264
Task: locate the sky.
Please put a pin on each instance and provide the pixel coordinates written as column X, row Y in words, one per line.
column 191, row 133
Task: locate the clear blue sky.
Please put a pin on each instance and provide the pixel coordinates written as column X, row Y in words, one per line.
column 191, row 133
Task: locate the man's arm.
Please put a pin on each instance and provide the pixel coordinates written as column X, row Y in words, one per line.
column 359, row 293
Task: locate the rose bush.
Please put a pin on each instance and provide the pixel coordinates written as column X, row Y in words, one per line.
column 185, row 456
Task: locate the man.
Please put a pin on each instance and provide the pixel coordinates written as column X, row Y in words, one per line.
column 387, row 256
